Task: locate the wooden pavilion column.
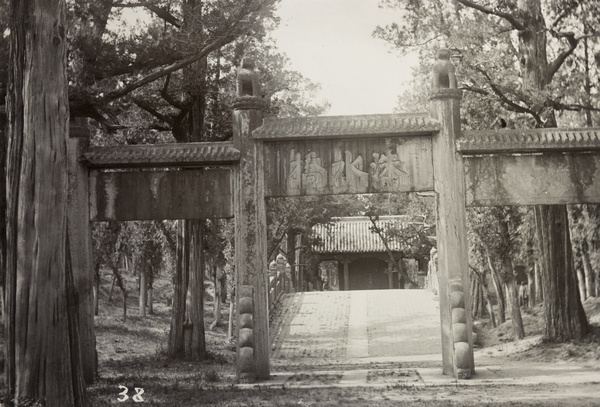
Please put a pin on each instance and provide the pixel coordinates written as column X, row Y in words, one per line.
column 455, row 302
column 346, row 276
column 250, row 231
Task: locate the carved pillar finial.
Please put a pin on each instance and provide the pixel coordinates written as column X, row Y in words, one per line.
column 443, row 78
column 248, row 90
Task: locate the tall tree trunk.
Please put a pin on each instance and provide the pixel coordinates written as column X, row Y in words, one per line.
column 189, row 127
column 230, row 322
column 217, row 299
column 507, row 303
column 186, row 339
column 42, row 333
column 577, row 230
column 196, row 346
column 515, row 309
column 3, row 154
column 112, row 288
column 223, row 287
column 489, row 305
column 564, row 314
column 588, row 272
column 124, row 292
column 151, row 296
column 476, row 298
column 499, row 291
column 143, row 292
column 562, row 304
column 531, row 288
column 539, row 292
column 96, row 289
column 180, row 287
column 580, row 277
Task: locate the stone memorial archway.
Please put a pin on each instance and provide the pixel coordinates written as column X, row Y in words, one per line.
column 340, row 155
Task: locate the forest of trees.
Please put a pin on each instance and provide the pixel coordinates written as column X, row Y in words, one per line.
column 170, row 78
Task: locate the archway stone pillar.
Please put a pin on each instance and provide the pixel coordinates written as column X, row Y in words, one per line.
column 449, row 185
column 250, row 230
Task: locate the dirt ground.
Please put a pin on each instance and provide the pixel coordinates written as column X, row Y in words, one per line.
column 499, row 342
column 132, row 354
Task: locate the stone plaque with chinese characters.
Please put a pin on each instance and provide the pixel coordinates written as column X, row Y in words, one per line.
column 350, row 166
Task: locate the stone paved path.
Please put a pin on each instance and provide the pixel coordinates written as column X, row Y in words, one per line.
column 390, row 339
column 374, row 325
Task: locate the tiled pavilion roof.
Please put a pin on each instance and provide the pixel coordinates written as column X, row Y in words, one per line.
column 353, row 235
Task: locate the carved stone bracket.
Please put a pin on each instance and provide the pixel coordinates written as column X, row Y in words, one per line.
column 246, row 367
column 462, row 349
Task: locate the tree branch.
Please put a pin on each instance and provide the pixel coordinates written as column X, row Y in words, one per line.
column 556, row 64
column 574, row 107
column 507, row 16
column 164, row 92
column 138, row 4
column 164, row 14
column 509, row 103
column 475, row 90
column 570, row 7
column 142, row 104
column 219, row 42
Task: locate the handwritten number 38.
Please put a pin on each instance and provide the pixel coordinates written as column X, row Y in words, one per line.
column 137, row 397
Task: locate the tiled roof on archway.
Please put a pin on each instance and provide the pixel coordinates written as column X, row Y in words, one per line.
column 356, row 125
column 354, row 235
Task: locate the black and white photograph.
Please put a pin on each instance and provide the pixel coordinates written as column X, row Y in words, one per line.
column 299, row 203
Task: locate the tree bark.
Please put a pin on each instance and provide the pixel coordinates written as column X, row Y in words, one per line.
column 490, row 307
column 97, row 289
column 564, row 314
column 150, row 300
column 577, row 228
column 217, row 299
column 515, row 309
column 3, row 154
column 124, row 291
column 230, row 322
column 581, row 278
column 539, row 292
column 186, row 339
column 196, row 348
column 180, row 287
column 588, row 273
column 499, row 291
column 531, row 288
column 42, row 332
column 143, row 292
column 112, row 288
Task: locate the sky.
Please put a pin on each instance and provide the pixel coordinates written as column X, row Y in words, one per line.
column 330, row 42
